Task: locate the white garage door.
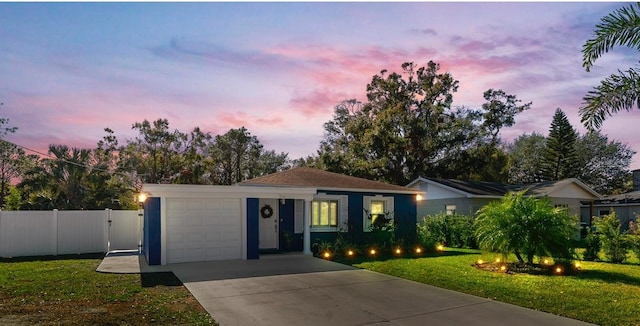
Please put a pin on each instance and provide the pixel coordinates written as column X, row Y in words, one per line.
column 203, row 230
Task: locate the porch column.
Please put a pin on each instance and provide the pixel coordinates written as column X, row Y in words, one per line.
column 307, row 230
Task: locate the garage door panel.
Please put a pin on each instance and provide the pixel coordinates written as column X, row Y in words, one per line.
column 203, row 229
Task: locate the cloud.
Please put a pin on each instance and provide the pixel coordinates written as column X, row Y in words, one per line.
column 423, row 31
column 317, row 102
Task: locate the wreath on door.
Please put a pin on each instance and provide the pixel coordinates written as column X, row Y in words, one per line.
column 266, row 211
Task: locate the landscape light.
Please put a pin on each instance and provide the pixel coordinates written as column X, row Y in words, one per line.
column 398, row 251
column 372, row 252
column 558, row 270
column 327, row 254
column 545, row 262
column 418, row 250
column 350, row 253
column 480, row 261
column 578, row 265
column 498, row 260
column 440, row 248
column 503, row 268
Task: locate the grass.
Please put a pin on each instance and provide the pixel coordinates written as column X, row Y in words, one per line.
column 602, row 293
column 67, row 290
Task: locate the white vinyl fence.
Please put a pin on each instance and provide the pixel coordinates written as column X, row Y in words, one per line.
column 40, row 233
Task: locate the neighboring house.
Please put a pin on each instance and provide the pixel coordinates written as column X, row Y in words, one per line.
column 284, row 211
column 467, row 197
column 626, row 206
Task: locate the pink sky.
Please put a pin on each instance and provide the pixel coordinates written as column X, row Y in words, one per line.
column 70, row 70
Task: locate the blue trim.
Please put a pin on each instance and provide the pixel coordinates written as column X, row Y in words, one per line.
column 152, row 234
column 253, row 250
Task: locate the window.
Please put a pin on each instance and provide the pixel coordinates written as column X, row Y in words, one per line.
column 324, row 213
column 378, row 212
column 450, row 209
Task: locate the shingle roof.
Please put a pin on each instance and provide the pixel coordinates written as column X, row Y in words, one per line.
column 474, row 187
column 482, row 188
column 310, row 177
column 630, row 197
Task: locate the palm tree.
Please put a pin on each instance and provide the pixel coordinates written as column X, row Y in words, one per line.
column 525, row 226
column 616, row 92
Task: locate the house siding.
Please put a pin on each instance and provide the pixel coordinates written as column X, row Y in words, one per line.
column 464, row 206
column 405, row 210
column 625, row 213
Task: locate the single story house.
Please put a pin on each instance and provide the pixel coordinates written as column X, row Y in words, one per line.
column 284, row 211
column 467, row 197
column 626, row 206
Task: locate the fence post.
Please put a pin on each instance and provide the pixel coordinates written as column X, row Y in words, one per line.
column 108, row 214
column 55, row 230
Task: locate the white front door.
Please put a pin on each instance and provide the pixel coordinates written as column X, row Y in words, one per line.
column 269, row 217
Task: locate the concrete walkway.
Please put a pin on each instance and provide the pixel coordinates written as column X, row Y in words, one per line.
column 302, row 290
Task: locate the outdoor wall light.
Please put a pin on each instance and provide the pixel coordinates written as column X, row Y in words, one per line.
column 142, row 197
column 419, row 197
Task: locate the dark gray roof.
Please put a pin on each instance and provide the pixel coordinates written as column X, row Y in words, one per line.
column 482, row 188
column 630, row 197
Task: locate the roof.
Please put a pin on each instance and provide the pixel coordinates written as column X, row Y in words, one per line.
column 629, row 197
column 491, row 189
column 310, row 177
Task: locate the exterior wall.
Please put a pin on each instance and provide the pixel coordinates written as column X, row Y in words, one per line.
column 405, row 210
column 39, row 233
column 152, row 246
column 625, row 213
column 465, row 206
column 573, row 204
column 253, row 229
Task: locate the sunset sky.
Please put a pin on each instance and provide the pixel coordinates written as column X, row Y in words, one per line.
column 69, row 70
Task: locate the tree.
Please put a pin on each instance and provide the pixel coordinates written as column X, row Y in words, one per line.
column 604, row 165
column 619, row 91
column 526, row 158
column 155, row 153
column 407, row 128
column 560, row 156
column 59, row 182
column 500, row 111
column 196, row 161
column 239, row 156
column 525, row 226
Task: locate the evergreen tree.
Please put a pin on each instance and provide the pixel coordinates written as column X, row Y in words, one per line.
column 560, row 157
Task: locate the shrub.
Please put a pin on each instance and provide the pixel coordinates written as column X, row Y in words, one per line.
column 614, row 242
column 592, row 247
column 451, row 230
column 526, row 227
column 635, row 238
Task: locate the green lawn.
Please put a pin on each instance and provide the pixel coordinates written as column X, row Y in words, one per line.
column 68, row 291
column 602, row 293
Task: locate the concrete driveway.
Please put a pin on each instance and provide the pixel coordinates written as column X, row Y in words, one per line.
column 302, row 290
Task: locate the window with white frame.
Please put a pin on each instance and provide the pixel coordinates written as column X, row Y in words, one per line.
column 378, row 212
column 324, row 214
column 450, row 209
column 329, row 213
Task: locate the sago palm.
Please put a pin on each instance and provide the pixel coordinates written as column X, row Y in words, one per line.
column 526, row 227
column 619, row 91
